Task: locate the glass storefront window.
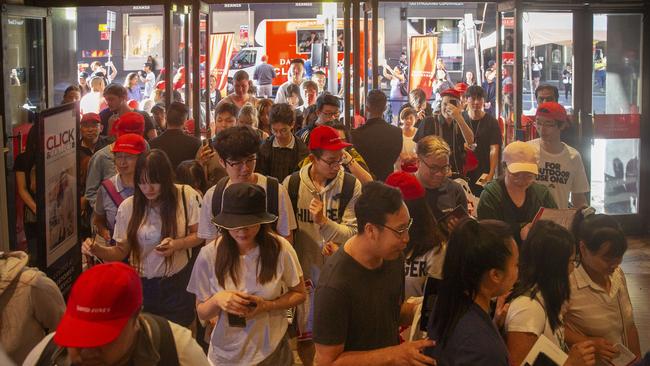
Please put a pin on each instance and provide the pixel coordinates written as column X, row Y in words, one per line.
column 616, row 107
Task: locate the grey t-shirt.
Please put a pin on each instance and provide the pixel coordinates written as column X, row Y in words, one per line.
column 356, row 306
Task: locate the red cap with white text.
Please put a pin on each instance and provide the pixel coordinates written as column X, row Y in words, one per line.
column 101, row 302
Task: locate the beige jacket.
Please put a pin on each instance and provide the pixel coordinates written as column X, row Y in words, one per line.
column 31, row 305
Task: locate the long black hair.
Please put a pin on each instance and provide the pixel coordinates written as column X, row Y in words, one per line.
column 473, row 249
column 423, row 234
column 544, row 268
column 153, row 167
column 227, row 259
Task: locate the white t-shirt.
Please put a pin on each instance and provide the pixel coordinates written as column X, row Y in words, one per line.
column 286, row 219
column 152, row 264
column 263, row 333
column 417, row 270
column 594, row 312
column 528, row 315
column 561, row 173
column 149, row 84
column 91, row 102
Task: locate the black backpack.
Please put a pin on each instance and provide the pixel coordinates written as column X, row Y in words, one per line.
column 271, row 195
column 162, row 337
column 347, row 191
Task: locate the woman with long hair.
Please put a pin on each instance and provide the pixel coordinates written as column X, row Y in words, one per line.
column 480, row 264
column 247, row 279
column 264, row 114
column 425, row 250
column 547, row 258
column 156, row 229
column 132, row 87
column 600, row 308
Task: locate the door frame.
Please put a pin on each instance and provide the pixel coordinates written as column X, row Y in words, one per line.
column 8, row 239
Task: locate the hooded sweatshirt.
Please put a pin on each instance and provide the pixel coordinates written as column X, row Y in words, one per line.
column 310, row 237
column 31, row 304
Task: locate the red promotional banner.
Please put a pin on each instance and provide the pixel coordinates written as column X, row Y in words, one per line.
column 424, row 50
column 221, row 47
column 617, row 126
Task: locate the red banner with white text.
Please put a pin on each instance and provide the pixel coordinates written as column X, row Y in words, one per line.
column 221, row 47
column 424, row 50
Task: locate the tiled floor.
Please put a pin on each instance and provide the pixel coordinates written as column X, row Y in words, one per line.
column 636, row 265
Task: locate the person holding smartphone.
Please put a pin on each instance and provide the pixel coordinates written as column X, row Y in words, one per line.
column 451, row 126
column 247, row 278
column 156, row 229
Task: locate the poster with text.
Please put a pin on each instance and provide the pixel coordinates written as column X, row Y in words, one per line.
column 60, row 182
column 424, row 50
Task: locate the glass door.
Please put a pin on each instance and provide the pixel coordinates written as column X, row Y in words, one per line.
column 25, row 90
column 616, row 92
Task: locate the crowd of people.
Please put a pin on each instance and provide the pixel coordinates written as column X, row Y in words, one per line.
column 283, row 223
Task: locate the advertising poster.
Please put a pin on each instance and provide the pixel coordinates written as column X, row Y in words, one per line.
column 143, row 39
column 424, row 50
column 60, row 183
column 221, row 47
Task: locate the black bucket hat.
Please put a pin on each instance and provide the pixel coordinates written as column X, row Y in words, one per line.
column 242, row 205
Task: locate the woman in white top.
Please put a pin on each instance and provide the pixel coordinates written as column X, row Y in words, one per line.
column 156, row 229
column 408, row 157
column 546, row 259
column 397, row 79
column 600, row 308
column 247, row 279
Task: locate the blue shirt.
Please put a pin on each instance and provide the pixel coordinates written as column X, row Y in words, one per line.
column 474, row 341
column 264, row 74
column 100, row 167
column 134, row 93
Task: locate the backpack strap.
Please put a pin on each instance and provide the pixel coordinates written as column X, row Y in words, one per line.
column 110, row 188
column 349, row 182
column 294, row 184
column 51, row 354
column 217, row 195
column 163, row 338
column 272, row 187
column 188, row 251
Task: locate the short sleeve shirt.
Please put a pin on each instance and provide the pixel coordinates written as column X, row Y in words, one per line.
column 417, row 270
column 286, row 219
column 356, row 306
column 527, row 315
column 104, row 204
column 597, row 313
column 445, row 198
column 263, row 333
column 562, row 173
column 152, row 264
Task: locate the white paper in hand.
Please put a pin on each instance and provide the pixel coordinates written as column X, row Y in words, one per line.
column 548, row 348
column 625, row 356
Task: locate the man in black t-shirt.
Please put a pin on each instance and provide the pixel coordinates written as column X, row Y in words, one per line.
column 116, row 99
column 451, row 126
column 487, row 139
column 359, row 302
column 174, row 142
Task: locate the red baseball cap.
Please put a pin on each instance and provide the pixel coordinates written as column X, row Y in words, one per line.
column 130, row 143
column 161, row 85
column 90, row 118
column 326, row 138
column 552, row 110
column 461, row 87
column 451, row 92
column 129, row 122
column 407, row 183
column 101, row 302
column 132, row 103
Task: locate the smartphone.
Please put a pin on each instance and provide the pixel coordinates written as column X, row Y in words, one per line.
column 161, row 247
column 206, row 142
column 239, row 321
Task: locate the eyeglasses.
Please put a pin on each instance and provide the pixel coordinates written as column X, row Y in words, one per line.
column 435, row 168
column 400, row 232
column 241, row 163
column 332, row 164
column 331, row 114
column 545, row 124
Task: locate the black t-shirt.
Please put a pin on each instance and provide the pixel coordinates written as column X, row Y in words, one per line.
column 106, row 113
column 486, row 133
column 450, row 132
column 445, row 198
column 356, row 306
column 177, row 145
column 25, row 163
